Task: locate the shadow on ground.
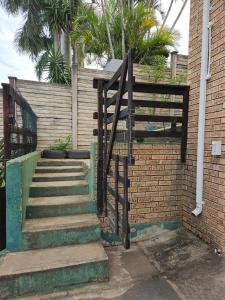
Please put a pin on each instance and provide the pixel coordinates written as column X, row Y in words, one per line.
column 176, row 265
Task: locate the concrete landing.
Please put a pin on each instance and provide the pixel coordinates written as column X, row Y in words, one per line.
column 173, row 266
column 49, row 268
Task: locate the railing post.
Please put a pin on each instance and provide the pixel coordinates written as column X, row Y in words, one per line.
column 6, row 116
column 130, row 118
column 100, row 149
column 184, row 125
column 105, row 171
column 125, row 235
column 116, row 193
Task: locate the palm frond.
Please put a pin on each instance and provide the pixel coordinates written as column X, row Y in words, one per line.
column 53, row 66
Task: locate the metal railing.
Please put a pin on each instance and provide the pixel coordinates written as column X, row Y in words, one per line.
column 117, row 116
column 20, row 124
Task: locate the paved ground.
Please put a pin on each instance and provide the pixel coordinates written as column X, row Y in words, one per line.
column 174, row 266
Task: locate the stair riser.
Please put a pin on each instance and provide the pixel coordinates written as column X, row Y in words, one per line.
column 63, row 170
column 58, row 191
column 59, row 163
column 48, row 280
column 61, row 178
column 55, row 238
column 60, row 210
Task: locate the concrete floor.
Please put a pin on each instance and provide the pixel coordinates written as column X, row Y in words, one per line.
column 176, row 265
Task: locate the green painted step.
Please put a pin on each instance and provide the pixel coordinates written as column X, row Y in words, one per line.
column 59, row 188
column 43, row 270
column 59, row 169
column 59, row 162
column 46, row 177
column 58, row 231
column 59, row 206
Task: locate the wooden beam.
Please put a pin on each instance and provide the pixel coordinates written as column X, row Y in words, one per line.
column 184, row 126
column 153, row 88
column 117, row 111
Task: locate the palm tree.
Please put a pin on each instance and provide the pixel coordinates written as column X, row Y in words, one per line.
column 89, row 30
column 53, row 64
column 106, row 15
column 31, row 38
column 47, row 22
column 179, row 14
column 169, row 12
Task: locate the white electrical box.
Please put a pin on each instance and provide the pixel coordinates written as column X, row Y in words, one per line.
column 216, row 148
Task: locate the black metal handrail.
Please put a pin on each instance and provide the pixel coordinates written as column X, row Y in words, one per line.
column 20, row 124
column 110, row 164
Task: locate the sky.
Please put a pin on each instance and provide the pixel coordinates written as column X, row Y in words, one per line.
column 15, row 64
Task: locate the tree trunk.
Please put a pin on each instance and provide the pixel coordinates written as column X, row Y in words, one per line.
column 65, row 47
column 122, row 30
column 167, row 14
column 180, row 13
column 57, row 39
column 108, row 30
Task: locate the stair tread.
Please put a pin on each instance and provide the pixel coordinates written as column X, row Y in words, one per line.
column 58, row 167
column 53, row 175
column 58, row 200
column 30, row 261
column 59, row 183
column 60, row 222
column 60, row 160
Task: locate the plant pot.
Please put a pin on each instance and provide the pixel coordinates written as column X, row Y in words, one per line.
column 53, row 154
column 78, row 154
column 2, row 218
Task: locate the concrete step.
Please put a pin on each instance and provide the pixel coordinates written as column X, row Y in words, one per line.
column 59, row 162
column 59, row 169
column 43, row 270
column 58, row 231
column 59, row 188
column 41, row 207
column 46, row 177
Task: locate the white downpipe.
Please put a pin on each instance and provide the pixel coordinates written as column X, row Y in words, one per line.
column 202, row 102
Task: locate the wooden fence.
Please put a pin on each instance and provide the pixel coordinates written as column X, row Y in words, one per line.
column 52, row 103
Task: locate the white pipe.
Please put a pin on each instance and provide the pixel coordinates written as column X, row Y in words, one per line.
column 202, row 102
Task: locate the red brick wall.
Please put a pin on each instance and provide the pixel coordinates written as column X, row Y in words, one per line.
column 155, row 191
column 156, row 183
column 211, row 224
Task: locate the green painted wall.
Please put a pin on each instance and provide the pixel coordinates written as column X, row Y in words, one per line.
column 19, row 174
column 92, row 172
column 140, row 232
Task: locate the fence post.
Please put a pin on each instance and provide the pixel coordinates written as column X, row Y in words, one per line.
column 74, row 85
column 185, row 125
column 173, row 63
column 100, row 149
column 6, row 112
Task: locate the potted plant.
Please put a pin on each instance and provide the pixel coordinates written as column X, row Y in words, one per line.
column 58, row 149
column 78, row 154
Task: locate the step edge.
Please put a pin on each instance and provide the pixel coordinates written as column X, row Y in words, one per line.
column 85, row 201
column 103, row 258
column 77, row 226
column 75, row 184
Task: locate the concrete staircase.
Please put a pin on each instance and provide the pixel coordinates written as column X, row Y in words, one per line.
column 61, row 234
